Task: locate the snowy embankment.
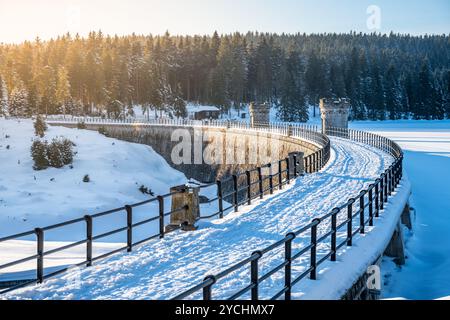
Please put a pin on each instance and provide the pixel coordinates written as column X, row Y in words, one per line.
column 30, row 199
column 161, row 269
column 427, row 161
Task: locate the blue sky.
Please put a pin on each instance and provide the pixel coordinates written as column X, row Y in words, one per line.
column 25, row 19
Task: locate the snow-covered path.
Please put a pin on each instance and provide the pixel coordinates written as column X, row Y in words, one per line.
column 162, row 269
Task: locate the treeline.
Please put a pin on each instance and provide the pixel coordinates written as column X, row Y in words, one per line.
column 385, row 76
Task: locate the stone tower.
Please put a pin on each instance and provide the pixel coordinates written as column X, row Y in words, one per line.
column 259, row 114
column 334, row 113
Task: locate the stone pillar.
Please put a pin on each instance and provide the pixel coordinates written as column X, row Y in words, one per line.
column 334, row 113
column 396, row 249
column 259, row 114
column 406, row 217
column 184, row 196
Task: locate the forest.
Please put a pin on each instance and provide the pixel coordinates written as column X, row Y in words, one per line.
column 392, row 76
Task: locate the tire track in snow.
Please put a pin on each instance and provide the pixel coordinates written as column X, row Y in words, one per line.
column 162, row 269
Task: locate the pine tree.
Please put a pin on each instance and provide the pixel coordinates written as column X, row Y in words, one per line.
column 18, row 103
column 393, row 94
column 293, row 107
column 39, row 155
column 4, row 108
column 40, row 126
column 63, row 91
column 315, row 79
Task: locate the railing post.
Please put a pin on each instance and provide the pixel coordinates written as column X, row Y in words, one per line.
column 88, row 220
column 270, row 179
column 40, row 254
column 371, row 205
column 235, row 194
column 305, row 164
column 313, row 258
column 287, row 269
column 350, row 222
column 377, row 197
column 361, row 211
column 207, row 291
column 381, row 200
column 249, row 187
column 129, row 210
column 161, row 216
column 220, row 198
column 389, row 174
column 280, row 175
column 288, row 173
column 260, row 183
column 386, row 186
column 254, row 275
column 314, row 166
column 334, row 233
column 295, row 166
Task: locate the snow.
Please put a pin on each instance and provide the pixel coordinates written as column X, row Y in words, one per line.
column 162, row 269
column 197, row 108
column 427, row 162
column 39, row 198
column 30, row 199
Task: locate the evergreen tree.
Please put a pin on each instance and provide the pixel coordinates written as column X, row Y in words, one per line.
column 62, row 91
column 39, row 155
column 393, row 94
column 40, row 126
column 18, row 103
column 293, row 107
column 4, row 108
column 315, row 79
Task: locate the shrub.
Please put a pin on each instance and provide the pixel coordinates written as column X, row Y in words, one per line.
column 39, row 155
column 146, row 190
column 67, row 152
column 103, row 131
column 56, row 154
column 40, row 126
column 86, row 179
column 81, row 125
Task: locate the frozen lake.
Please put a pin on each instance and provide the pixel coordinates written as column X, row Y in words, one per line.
column 427, row 164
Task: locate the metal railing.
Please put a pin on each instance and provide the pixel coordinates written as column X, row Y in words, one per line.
column 353, row 217
column 245, row 188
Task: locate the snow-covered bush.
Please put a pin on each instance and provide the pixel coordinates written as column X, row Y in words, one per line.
column 40, row 126
column 39, row 154
column 81, row 125
column 56, row 154
column 103, row 131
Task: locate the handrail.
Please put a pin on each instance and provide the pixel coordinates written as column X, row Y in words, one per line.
column 384, row 187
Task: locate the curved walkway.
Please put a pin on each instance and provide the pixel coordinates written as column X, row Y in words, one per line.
column 162, row 269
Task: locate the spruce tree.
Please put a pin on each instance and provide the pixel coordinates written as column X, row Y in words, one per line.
column 39, row 155
column 292, row 105
column 4, row 109
column 18, row 102
column 40, row 126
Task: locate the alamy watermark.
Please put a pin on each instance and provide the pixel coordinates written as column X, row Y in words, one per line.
column 199, row 146
column 374, row 278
